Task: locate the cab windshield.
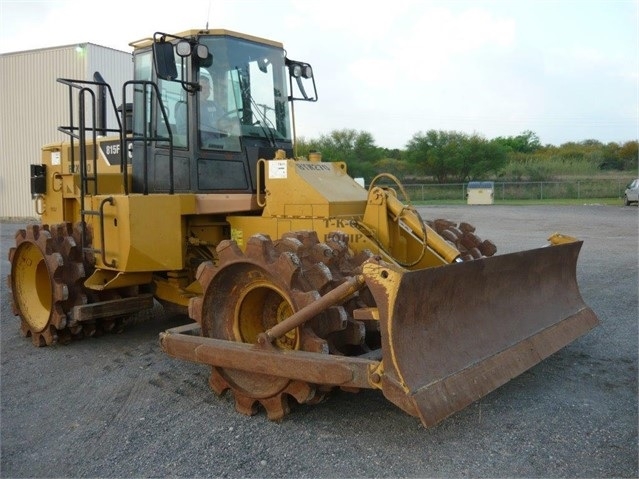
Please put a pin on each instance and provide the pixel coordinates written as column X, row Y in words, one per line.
column 242, row 94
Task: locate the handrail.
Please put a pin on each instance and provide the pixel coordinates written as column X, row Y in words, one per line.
column 102, row 246
column 79, row 132
column 260, row 203
column 71, row 129
column 100, row 214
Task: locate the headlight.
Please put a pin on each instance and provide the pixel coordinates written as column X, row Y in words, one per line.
column 296, row 70
column 183, row 48
column 202, row 51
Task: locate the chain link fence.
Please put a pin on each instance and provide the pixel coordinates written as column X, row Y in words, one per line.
column 528, row 190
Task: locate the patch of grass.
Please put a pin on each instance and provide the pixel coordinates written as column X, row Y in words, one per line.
column 543, row 168
column 551, row 201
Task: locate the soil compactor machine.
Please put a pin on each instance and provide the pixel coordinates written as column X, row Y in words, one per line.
column 298, row 280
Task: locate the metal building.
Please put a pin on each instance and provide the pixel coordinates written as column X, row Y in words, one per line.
column 33, row 105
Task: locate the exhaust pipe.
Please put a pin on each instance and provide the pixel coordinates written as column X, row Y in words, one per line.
column 101, row 106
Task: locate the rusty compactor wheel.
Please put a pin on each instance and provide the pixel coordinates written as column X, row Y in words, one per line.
column 463, row 237
column 47, row 270
column 247, row 293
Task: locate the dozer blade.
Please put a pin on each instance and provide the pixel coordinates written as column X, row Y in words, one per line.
column 452, row 334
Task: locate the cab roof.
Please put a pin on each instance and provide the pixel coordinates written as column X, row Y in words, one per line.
column 146, row 42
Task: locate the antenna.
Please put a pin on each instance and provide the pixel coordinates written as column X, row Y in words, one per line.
column 208, row 15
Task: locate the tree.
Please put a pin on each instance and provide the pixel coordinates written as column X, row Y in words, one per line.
column 433, row 152
column 610, row 159
column 629, row 154
column 526, row 142
column 356, row 148
column 483, row 158
column 451, row 154
column 396, row 167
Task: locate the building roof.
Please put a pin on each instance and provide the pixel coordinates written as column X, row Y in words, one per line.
column 61, row 47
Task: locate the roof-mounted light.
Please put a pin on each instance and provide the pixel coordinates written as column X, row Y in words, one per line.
column 202, row 51
column 300, row 70
column 295, row 70
column 183, row 48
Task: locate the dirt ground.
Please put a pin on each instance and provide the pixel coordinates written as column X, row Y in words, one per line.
column 116, row 406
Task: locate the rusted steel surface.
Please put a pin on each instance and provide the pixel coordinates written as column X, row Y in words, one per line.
column 333, row 297
column 112, row 308
column 450, row 335
column 292, row 288
column 435, row 401
column 316, row 368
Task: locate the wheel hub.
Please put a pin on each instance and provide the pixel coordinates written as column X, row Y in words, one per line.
column 260, row 307
column 35, row 303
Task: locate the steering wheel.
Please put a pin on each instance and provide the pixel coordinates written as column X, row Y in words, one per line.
column 225, row 122
column 230, row 113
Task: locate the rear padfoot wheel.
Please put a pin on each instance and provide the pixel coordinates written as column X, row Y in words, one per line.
column 48, row 270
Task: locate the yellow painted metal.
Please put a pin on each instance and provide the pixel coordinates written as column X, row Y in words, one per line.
column 224, row 203
column 250, row 316
column 146, row 42
column 388, row 279
column 31, row 285
column 61, row 202
column 299, row 195
column 106, row 279
column 414, row 223
column 51, row 209
column 558, row 238
column 175, row 290
column 143, row 232
column 311, row 195
column 311, row 189
column 401, row 241
column 369, row 313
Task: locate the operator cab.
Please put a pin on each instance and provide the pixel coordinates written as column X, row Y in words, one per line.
column 221, row 103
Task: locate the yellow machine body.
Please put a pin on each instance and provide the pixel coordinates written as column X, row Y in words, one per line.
column 320, row 196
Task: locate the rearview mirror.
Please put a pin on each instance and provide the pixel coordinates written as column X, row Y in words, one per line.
column 164, row 59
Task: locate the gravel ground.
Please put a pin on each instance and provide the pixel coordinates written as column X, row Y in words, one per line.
column 116, row 406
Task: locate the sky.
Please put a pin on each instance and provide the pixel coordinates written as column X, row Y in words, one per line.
column 567, row 70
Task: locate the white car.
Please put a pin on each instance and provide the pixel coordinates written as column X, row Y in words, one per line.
column 631, row 194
